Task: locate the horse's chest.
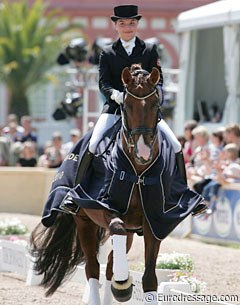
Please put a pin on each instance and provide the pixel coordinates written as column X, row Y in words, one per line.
column 134, row 217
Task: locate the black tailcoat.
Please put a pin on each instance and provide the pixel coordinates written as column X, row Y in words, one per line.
column 114, row 59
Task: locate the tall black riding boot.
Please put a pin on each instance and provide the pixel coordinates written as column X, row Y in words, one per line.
column 84, row 165
column 68, row 205
column 181, row 165
column 202, row 206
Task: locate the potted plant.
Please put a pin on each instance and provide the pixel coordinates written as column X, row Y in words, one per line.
column 196, row 285
column 12, row 229
column 168, row 263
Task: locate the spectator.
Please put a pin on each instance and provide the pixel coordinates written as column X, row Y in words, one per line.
column 43, row 159
column 201, row 138
column 189, row 144
column 232, row 135
column 12, row 118
column 199, row 166
column 216, row 144
column 75, row 135
column 28, row 155
column 227, row 171
column 55, row 154
column 12, row 135
column 28, row 133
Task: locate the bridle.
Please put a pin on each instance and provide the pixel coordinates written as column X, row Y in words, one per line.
column 140, row 97
column 143, row 130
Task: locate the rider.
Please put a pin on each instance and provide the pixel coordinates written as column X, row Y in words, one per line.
column 128, row 49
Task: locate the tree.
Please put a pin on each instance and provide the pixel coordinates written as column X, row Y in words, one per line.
column 30, row 40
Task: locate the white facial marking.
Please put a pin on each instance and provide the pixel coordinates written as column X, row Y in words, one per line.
column 143, row 150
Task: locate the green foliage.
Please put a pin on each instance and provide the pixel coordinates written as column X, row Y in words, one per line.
column 30, row 41
column 179, row 261
column 12, row 226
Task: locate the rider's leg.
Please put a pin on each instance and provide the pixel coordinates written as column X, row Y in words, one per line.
column 176, row 146
column 201, row 207
column 105, row 121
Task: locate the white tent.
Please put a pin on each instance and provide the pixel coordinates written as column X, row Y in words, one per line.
column 209, row 61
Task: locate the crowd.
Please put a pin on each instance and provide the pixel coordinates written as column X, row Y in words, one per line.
column 211, row 159
column 19, row 145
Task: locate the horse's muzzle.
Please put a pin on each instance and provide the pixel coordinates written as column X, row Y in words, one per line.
column 142, row 152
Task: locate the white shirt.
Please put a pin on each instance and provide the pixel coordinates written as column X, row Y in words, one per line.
column 128, row 45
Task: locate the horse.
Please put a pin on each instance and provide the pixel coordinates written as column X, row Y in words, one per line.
column 74, row 239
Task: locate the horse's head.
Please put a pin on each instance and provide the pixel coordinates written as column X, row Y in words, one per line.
column 140, row 111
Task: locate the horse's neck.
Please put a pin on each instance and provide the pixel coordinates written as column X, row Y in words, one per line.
column 129, row 152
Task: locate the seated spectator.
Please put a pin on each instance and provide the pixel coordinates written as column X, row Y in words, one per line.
column 75, row 135
column 43, row 158
column 12, row 134
column 12, row 137
column 199, row 166
column 28, row 133
column 55, row 154
column 232, row 135
column 12, row 118
column 227, row 171
column 28, row 155
column 216, row 144
column 189, row 144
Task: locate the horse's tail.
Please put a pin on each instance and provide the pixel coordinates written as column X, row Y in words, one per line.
column 57, row 251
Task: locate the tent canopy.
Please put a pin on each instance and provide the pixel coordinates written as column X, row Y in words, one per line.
column 216, row 14
column 209, row 62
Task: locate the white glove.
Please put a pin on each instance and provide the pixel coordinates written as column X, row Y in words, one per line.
column 117, row 96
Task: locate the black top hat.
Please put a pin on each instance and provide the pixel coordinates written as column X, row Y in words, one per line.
column 126, row 12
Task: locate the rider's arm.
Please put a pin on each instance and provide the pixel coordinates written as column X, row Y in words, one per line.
column 105, row 84
column 155, row 62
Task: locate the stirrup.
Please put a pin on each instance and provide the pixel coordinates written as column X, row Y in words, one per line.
column 69, row 206
column 200, row 209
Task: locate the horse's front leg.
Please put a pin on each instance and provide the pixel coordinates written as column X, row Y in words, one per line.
column 107, row 298
column 121, row 282
column 149, row 280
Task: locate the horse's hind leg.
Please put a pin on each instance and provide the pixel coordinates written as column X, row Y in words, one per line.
column 107, row 298
column 87, row 234
column 149, row 279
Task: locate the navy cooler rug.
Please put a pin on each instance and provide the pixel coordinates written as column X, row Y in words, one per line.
column 109, row 182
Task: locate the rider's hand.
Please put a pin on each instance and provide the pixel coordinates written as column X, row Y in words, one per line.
column 117, row 96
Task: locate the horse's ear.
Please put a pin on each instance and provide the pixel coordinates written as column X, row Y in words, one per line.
column 126, row 76
column 154, row 77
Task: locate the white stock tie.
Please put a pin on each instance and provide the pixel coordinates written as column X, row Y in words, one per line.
column 128, row 46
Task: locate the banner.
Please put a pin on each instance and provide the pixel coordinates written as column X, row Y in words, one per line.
column 224, row 223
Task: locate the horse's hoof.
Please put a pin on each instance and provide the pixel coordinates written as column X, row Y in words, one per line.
column 122, row 291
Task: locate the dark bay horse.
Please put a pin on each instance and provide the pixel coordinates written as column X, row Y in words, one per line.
column 75, row 239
